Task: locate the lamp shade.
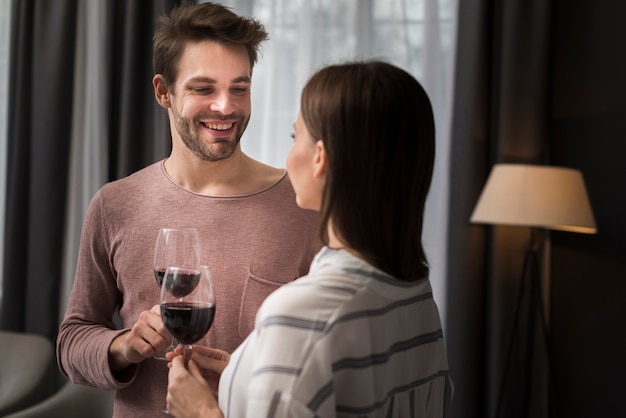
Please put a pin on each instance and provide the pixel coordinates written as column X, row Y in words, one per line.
column 537, row 196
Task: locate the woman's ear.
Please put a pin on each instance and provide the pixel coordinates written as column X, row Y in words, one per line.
column 161, row 93
column 320, row 160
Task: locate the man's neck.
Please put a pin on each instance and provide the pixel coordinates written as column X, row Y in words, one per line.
column 234, row 176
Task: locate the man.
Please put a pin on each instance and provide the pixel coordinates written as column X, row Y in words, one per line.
column 253, row 235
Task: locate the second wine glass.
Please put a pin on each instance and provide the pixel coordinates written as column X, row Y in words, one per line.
column 175, row 247
column 188, row 304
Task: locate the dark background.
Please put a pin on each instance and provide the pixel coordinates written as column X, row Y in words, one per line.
column 588, row 131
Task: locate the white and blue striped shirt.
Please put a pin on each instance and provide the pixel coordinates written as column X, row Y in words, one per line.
column 347, row 340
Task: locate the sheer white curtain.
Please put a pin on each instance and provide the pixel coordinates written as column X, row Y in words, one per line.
column 5, row 35
column 417, row 35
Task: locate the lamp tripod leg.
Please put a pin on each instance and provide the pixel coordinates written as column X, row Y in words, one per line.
column 511, row 345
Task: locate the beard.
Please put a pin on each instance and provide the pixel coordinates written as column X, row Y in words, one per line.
column 188, row 130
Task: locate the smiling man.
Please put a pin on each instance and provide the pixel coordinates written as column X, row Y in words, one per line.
column 209, row 106
column 253, row 235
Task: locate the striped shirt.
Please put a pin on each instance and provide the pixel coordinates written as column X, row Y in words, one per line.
column 347, row 340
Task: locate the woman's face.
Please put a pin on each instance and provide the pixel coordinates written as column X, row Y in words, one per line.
column 303, row 167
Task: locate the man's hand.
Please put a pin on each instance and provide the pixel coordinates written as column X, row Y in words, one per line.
column 147, row 337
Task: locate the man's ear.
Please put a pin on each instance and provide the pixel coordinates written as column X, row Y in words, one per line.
column 320, row 160
column 161, row 92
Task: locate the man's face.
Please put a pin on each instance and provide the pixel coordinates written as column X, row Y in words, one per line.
column 211, row 98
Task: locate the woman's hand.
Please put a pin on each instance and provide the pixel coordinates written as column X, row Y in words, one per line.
column 188, row 393
column 210, row 361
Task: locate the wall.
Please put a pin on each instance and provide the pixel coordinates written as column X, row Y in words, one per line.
column 588, row 311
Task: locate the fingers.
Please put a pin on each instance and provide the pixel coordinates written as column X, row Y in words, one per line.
column 153, row 319
column 193, row 369
column 147, row 337
column 177, row 368
column 178, row 351
column 206, row 364
column 213, row 353
column 188, row 394
column 155, row 332
column 210, row 359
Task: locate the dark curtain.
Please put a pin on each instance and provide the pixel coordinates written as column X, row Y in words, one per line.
column 500, row 116
column 40, row 111
column 140, row 133
column 40, row 96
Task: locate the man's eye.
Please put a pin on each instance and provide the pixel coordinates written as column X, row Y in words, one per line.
column 239, row 90
column 203, row 90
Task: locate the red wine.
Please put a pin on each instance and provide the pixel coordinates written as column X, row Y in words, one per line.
column 159, row 274
column 187, row 321
column 182, row 284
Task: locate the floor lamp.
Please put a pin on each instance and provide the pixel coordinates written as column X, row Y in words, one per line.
column 542, row 198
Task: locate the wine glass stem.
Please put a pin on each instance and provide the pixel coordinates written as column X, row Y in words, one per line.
column 186, row 353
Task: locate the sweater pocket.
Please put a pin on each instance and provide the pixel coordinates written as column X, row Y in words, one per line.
column 254, row 293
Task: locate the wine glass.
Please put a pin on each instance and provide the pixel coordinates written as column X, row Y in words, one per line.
column 187, row 305
column 175, row 247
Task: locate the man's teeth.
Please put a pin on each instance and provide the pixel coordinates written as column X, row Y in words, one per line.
column 219, row 126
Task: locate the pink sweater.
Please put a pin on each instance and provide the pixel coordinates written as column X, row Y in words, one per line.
column 253, row 243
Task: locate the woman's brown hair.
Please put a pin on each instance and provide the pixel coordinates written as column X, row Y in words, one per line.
column 376, row 123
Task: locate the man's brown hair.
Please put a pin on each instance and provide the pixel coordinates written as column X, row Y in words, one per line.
column 197, row 22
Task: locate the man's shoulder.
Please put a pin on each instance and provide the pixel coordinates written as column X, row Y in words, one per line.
column 261, row 176
column 136, row 186
column 140, row 178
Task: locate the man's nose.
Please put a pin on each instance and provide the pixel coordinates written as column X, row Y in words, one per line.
column 221, row 103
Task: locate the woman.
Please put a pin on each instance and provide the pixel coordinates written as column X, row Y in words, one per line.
column 360, row 335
